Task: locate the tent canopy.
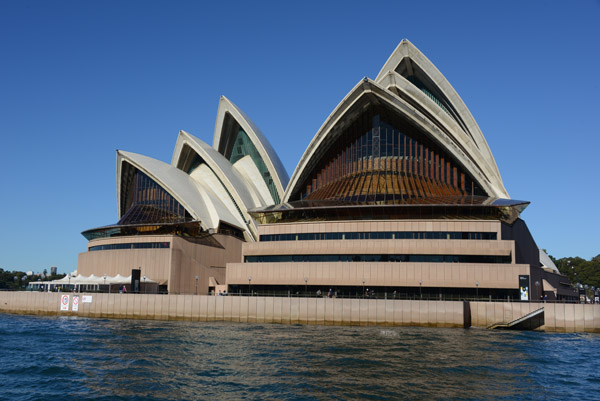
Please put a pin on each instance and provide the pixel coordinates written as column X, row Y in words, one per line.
column 88, row 280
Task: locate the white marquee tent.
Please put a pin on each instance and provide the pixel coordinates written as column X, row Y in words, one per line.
column 80, row 281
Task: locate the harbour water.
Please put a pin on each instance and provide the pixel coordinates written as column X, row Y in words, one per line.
column 77, row 358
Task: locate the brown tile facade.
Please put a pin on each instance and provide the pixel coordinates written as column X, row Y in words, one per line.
column 457, row 275
column 176, row 266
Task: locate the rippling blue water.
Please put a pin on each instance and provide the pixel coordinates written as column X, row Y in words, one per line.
column 77, row 358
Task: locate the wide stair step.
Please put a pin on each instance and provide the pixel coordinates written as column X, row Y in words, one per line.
column 530, row 321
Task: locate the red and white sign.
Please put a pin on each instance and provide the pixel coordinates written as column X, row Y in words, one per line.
column 64, row 302
column 75, row 305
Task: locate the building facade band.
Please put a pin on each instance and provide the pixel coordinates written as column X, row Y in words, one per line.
column 397, row 195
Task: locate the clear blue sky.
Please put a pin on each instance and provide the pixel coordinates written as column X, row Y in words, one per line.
column 79, row 79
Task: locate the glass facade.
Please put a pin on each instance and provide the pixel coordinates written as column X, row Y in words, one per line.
column 457, row 208
column 148, row 202
column 416, row 82
column 190, row 229
column 415, row 75
column 242, row 146
column 380, row 157
column 138, row 245
column 380, row 235
column 380, row 258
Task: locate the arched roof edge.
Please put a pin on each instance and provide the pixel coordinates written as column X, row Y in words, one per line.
column 369, row 87
column 392, row 78
column 234, row 183
column 406, row 49
column 259, row 140
column 174, row 181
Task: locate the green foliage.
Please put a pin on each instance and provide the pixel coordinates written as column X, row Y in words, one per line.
column 580, row 270
column 16, row 280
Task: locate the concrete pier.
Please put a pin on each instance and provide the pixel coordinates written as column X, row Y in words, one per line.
column 313, row 311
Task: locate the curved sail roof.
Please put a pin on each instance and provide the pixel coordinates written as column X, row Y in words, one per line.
column 223, row 206
column 230, row 117
column 200, row 204
column 233, row 184
column 368, row 92
column 231, row 179
column 414, row 90
column 406, row 137
column 408, row 69
column 247, row 169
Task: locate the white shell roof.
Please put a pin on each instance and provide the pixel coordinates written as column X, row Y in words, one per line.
column 470, row 137
column 267, row 153
column 220, row 203
column 247, row 169
column 221, row 191
column 232, row 182
column 370, row 88
column 547, row 262
column 178, row 184
column 468, row 145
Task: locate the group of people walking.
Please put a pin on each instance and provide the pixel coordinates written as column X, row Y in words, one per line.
column 330, row 294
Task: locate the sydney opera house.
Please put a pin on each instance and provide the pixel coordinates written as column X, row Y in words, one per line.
column 397, row 193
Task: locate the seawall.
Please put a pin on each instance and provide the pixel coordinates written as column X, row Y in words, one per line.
column 318, row 311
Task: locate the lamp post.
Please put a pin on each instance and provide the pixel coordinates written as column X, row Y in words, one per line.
column 420, row 289
column 105, row 281
column 305, row 285
column 363, row 292
column 69, row 276
column 196, row 292
column 250, row 284
column 144, row 278
column 537, row 286
column 477, row 289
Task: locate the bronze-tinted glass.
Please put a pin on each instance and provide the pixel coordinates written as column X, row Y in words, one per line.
column 150, row 203
column 380, row 157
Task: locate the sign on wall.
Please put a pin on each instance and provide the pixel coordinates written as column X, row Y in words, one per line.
column 86, row 299
column 64, row 302
column 524, row 287
column 75, row 305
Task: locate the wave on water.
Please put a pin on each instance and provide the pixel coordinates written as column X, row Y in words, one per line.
column 77, row 358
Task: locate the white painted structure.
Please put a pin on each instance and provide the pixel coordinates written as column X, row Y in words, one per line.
column 451, row 124
column 216, row 190
column 207, row 228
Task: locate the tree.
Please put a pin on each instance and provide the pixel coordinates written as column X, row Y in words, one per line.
column 579, row 270
column 17, row 280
